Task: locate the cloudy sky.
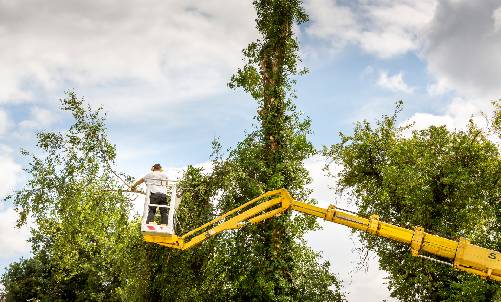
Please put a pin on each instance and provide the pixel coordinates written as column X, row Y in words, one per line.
column 160, row 68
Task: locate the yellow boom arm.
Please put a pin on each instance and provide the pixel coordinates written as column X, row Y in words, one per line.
column 462, row 254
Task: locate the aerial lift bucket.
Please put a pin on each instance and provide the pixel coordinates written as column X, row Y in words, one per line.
column 153, row 228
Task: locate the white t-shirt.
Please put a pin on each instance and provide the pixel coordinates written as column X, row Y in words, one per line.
column 156, row 181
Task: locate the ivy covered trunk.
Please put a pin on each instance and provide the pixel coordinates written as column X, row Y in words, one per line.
column 272, row 114
column 270, row 261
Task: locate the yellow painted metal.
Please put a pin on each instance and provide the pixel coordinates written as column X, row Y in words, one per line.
column 465, row 256
column 439, row 246
column 308, row 209
column 172, row 241
column 261, row 197
column 417, row 240
column 478, row 260
column 268, row 205
column 344, row 218
column 270, row 214
column 395, row 233
column 373, row 227
column 232, row 223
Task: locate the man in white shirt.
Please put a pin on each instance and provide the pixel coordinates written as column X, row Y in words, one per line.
column 156, row 181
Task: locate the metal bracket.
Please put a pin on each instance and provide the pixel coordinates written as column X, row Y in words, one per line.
column 329, row 214
column 373, row 224
column 417, row 240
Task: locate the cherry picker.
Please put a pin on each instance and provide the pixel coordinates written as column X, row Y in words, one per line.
column 460, row 254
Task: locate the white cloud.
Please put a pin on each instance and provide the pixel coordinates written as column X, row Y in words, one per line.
column 10, row 89
column 323, row 185
column 394, row 82
column 386, row 44
column 39, row 118
column 461, row 56
column 121, row 52
column 383, row 28
column 455, row 117
column 422, row 121
column 496, row 15
column 440, row 87
column 464, row 56
column 13, row 241
column 4, row 122
column 331, row 21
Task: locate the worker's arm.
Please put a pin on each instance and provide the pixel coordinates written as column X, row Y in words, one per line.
column 137, row 183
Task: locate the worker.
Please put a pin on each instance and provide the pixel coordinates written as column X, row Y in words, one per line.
column 156, row 181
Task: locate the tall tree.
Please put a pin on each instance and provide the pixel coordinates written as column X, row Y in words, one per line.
column 78, row 211
column 446, row 181
column 269, row 261
column 85, row 246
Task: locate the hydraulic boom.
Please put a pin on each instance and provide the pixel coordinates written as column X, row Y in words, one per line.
column 461, row 254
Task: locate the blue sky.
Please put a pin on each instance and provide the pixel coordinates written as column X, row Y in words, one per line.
column 160, row 68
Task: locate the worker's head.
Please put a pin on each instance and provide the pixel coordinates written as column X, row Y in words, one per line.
column 156, row 167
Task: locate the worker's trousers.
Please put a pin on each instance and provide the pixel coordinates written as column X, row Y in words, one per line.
column 160, row 199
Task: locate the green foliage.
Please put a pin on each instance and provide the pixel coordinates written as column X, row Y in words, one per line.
column 27, row 279
column 78, row 212
column 250, row 264
column 496, row 120
column 447, row 182
column 84, row 244
column 269, row 261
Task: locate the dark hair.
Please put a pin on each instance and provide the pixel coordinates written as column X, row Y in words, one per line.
column 156, row 167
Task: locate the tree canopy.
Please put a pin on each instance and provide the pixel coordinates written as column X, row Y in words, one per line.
column 270, row 261
column 79, row 214
column 446, row 181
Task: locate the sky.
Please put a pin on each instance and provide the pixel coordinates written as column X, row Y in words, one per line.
column 160, row 70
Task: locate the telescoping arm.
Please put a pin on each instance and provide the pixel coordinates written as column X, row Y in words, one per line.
column 462, row 254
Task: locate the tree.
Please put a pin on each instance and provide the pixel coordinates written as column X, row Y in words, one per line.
column 446, row 181
column 28, row 279
column 80, row 214
column 85, row 246
column 269, row 261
